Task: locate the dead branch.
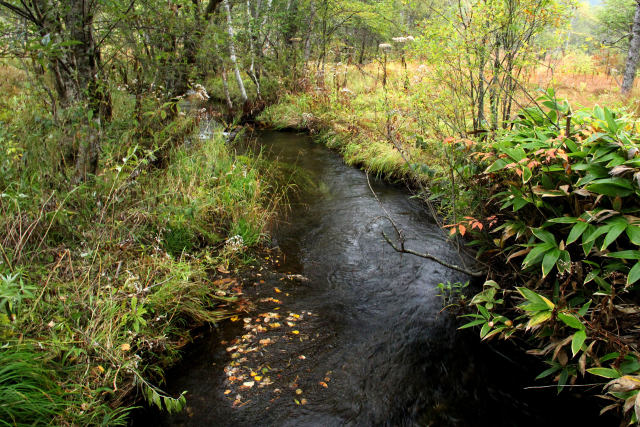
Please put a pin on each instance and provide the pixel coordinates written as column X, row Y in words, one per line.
column 402, row 249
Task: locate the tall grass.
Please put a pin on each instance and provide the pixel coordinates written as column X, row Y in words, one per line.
column 105, row 279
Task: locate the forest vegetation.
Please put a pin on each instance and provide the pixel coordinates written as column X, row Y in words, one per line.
column 122, row 229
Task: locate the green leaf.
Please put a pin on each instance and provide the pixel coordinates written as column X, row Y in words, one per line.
column 605, row 372
column 544, row 235
column 549, row 261
column 548, row 372
column 484, row 330
column 618, row 225
column 611, row 187
column 536, row 301
column 611, row 123
column 577, row 341
column 540, row 317
column 484, row 312
column 526, row 174
column 538, row 251
column 562, row 379
column 472, row 323
column 570, row 320
column 584, row 309
column 597, row 232
column 625, row 255
column 576, row 231
column 634, row 274
column 499, row 164
column 633, row 232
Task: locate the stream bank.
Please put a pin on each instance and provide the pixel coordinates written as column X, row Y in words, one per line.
column 345, row 330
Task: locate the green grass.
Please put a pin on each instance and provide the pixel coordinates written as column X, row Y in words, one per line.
column 103, row 280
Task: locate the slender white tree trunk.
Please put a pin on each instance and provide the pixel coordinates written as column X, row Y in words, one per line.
column 634, row 54
column 265, row 41
column 252, row 47
column 225, row 87
column 232, row 53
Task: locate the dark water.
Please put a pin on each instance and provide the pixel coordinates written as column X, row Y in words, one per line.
column 377, row 348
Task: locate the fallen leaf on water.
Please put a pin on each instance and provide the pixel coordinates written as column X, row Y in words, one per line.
column 295, row 332
column 304, row 401
column 298, row 391
column 257, row 378
column 297, row 316
column 327, row 379
column 274, row 325
column 248, row 384
column 291, row 324
column 265, row 341
column 301, row 357
column 277, row 290
column 234, row 318
column 253, row 374
column 323, row 384
column 297, row 401
column 227, row 392
column 247, row 320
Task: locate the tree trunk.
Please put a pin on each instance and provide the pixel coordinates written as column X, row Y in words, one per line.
column 85, row 54
column 634, row 54
column 252, row 48
column 232, row 53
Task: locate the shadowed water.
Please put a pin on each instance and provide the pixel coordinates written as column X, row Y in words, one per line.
column 376, row 330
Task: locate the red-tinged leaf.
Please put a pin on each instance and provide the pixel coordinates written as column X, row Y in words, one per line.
column 462, row 229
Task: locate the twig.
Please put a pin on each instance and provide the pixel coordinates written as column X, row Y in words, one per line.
column 533, row 387
column 402, row 249
column 434, row 258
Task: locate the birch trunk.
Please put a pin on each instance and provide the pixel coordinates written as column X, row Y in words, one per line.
column 252, row 47
column 634, row 54
column 232, row 53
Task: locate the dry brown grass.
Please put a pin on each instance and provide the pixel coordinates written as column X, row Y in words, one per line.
column 588, row 90
column 10, row 79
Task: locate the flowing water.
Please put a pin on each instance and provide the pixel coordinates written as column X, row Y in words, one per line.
column 361, row 339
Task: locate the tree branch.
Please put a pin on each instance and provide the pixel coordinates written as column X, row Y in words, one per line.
column 433, row 258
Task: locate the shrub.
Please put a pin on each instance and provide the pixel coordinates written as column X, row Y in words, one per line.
column 566, row 189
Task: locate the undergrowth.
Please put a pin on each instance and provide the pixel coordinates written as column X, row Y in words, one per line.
column 101, row 281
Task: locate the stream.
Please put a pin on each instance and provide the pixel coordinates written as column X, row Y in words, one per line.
column 345, row 331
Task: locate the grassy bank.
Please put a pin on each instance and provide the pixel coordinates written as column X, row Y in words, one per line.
column 101, row 281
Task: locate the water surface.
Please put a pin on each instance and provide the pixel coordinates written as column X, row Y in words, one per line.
column 372, row 346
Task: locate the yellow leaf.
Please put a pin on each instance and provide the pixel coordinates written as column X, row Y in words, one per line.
column 277, row 290
column 298, row 391
column 100, row 368
column 257, row 378
column 295, row 332
column 125, row 347
column 234, row 318
column 227, row 392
